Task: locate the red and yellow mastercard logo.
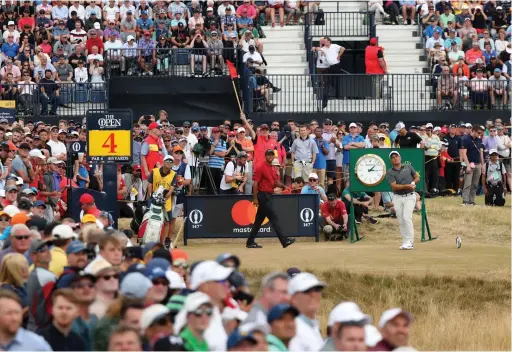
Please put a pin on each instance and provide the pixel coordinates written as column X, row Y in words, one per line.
column 243, row 213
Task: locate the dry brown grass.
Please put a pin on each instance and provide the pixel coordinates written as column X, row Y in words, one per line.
column 460, row 297
column 450, row 313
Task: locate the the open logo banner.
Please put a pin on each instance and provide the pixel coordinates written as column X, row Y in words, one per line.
column 229, row 216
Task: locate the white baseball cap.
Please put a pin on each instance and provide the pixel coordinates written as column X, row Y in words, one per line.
column 152, row 313
column 303, row 282
column 347, row 311
column 437, row 128
column 313, row 175
column 19, row 181
column 168, row 157
column 10, row 23
column 207, row 271
column 352, row 124
column 399, row 126
column 391, row 314
column 63, row 231
column 130, row 37
column 97, row 25
column 196, row 300
column 393, row 152
column 493, row 151
column 11, row 210
column 429, row 125
column 36, row 153
column 372, row 336
column 175, row 280
column 240, row 129
column 468, row 125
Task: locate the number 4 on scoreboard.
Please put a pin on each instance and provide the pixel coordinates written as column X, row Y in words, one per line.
column 110, row 143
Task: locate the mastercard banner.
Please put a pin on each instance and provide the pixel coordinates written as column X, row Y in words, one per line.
column 230, row 216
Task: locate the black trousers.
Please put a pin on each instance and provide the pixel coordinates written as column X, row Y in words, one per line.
column 359, row 210
column 494, row 195
column 431, row 172
column 266, row 210
column 451, row 175
column 216, row 176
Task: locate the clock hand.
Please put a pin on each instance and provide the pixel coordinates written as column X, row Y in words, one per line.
column 373, row 167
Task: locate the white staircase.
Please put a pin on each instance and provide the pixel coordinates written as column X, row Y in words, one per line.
column 284, row 51
column 400, row 51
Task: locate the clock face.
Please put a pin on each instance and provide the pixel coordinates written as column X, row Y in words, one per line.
column 370, row 169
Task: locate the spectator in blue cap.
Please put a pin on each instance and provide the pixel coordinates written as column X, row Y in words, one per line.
column 155, row 271
column 239, row 341
column 135, row 285
column 38, row 208
column 229, row 260
column 281, row 319
column 76, row 254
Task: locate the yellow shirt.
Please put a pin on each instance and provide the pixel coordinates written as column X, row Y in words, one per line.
column 59, row 261
column 165, row 182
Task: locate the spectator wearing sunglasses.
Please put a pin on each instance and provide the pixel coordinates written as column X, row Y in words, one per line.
column 40, row 254
column 306, row 293
column 198, row 309
column 156, row 321
column 107, row 286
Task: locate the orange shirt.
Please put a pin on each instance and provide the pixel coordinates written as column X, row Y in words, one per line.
column 247, row 143
column 472, row 55
column 465, row 69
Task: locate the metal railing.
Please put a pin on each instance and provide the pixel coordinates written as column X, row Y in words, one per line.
column 359, row 93
column 202, row 62
column 73, row 99
column 344, row 24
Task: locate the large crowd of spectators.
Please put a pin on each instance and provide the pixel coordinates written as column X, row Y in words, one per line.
column 468, row 51
column 69, row 287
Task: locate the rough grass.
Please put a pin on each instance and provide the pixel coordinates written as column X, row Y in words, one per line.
column 450, row 313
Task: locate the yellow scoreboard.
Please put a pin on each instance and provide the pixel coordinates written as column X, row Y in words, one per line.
column 109, row 136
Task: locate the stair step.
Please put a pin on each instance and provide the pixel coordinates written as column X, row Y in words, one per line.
column 282, row 47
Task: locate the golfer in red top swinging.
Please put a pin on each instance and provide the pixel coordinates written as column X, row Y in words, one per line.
column 265, row 179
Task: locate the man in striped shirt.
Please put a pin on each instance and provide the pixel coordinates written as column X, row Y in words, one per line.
column 216, row 161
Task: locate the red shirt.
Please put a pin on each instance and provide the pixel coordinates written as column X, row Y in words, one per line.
column 94, row 42
column 266, row 178
column 335, row 212
column 260, row 147
column 6, row 202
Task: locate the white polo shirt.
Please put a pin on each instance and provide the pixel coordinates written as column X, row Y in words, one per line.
column 307, row 337
column 331, row 54
column 57, row 147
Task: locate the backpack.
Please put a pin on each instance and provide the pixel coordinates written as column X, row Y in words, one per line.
column 487, row 164
column 42, row 311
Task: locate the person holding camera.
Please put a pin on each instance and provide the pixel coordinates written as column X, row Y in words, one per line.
column 198, row 54
column 235, row 175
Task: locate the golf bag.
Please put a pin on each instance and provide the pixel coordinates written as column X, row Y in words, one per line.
column 153, row 221
column 138, row 215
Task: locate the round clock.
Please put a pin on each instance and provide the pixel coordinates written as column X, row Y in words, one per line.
column 370, row 169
